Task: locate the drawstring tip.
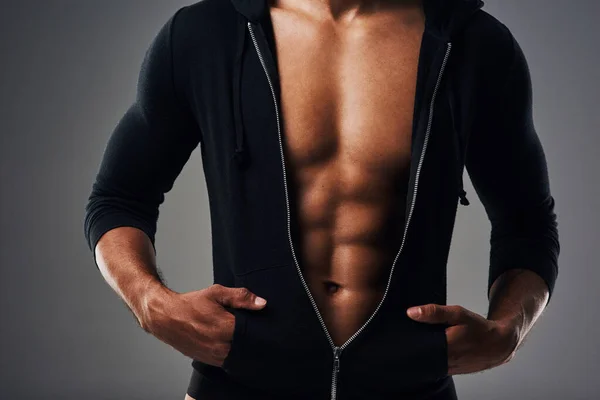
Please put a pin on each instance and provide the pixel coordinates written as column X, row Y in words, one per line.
column 241, row 158
column 463, row 198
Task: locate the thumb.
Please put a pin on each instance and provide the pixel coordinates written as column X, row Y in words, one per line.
column 440, row 314
column 431, row 313
column 238, row 298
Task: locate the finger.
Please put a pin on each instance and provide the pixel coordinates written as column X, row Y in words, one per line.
column 439, row 314
column 238, row 298
column 226, row 326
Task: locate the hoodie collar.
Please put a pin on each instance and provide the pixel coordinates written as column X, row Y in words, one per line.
column 444, row 17
column 253, row 10
column 447, row 17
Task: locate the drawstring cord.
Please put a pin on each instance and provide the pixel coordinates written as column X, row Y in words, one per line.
column 460, row 150
column 240, row 154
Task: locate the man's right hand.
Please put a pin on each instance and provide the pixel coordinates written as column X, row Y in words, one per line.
column 196, row 323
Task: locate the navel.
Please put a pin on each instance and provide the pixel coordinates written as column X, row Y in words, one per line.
column 331, row 287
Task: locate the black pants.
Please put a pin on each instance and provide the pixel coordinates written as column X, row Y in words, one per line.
column 214, row 384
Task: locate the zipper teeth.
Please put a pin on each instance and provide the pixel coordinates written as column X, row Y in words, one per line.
column 412, row 205
column 336, row 365
column 306, row 288
column 334, row 386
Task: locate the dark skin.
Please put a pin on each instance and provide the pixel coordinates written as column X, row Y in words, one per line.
column 475, row 343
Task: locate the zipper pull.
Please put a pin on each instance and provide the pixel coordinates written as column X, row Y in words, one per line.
column 336, row 359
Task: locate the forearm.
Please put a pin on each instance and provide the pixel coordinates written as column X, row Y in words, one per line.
column 518, row 296
column 127, row 261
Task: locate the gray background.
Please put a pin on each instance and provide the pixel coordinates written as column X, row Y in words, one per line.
column 69, row 70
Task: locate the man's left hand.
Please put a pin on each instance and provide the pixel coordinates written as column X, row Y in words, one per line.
column 475, row 343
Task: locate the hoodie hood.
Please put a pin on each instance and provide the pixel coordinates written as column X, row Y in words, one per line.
column 253, row 10
column 443, row 16
column 447, row 17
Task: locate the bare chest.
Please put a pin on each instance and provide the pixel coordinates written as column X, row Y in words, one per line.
column 347, row 94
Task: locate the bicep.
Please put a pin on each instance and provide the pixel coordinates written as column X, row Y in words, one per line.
column 505, row 159
column 507, row 166
column 146, row 151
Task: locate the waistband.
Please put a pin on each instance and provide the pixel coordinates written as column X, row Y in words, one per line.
column 212, row 383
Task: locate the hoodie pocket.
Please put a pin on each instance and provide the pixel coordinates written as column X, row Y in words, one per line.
column 395, row 356
column 282, row 347
column 231, row 360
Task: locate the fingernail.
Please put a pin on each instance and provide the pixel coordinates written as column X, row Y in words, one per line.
column 414, row 312
column 259, row 301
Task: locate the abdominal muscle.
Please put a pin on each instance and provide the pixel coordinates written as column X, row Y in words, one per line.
column 348, row 231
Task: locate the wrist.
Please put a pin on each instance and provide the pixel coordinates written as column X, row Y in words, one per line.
column 509, row 318
column 510, row 329
column 154, row 298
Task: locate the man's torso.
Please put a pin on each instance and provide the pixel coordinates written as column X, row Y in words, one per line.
column 347, row 100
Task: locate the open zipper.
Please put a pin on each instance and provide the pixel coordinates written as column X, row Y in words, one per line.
column 337, row 350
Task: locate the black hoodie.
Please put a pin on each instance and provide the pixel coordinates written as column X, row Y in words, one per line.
column 210, row 78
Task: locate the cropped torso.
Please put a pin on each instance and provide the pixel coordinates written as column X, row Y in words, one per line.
column 347, row 102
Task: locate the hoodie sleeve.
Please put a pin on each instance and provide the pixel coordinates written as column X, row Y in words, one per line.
column 507, row 166
column 146, row 150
